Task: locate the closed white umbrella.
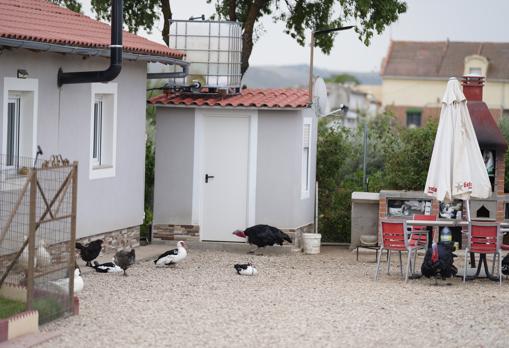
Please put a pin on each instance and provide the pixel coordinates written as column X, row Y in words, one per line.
column 457, row 169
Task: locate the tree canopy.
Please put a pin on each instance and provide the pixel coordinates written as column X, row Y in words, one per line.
column 369, row 16
column 342, row 79
column 73, row 5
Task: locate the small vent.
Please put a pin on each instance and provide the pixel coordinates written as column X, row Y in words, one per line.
column 307, row 134
column 483, row 212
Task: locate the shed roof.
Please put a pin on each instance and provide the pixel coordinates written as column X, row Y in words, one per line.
column 41, row 21
column 443, row 59
column 256, row 97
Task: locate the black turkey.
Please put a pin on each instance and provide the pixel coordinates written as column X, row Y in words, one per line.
column 262, row 236
column 439, row 262
column 505, row 265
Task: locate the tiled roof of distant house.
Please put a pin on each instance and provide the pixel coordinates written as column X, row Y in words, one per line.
column 443, row 59
column 41, row 21
column 259, row 98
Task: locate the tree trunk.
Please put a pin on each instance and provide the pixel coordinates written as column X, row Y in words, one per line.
column 232, row 11
column 247, row 35
column 167, row 15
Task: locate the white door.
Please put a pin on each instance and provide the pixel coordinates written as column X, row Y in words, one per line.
column 224, row 176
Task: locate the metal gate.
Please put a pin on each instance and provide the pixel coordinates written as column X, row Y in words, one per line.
column 38, row 233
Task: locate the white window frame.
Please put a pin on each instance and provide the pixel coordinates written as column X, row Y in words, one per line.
column 26, row 91
column 12, row 156
column 103, row 164
column 306, row 157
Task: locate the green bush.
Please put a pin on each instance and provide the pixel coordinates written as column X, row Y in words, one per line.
column 149, row 173
column 396, row 159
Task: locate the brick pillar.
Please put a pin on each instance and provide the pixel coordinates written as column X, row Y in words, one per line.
column 499, row 185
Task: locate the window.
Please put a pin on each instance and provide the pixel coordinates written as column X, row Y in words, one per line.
column 18, row 137
column 475, row 71
column 413, row 118
column 97, row 129
column 13, row 126
column 103, row 132
column 306, row 157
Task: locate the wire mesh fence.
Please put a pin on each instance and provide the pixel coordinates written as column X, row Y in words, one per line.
column 37, row 233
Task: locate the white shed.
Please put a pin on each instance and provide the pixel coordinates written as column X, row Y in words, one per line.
column 227, row 162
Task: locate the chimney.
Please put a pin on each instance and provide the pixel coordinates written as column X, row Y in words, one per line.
column 472, row 87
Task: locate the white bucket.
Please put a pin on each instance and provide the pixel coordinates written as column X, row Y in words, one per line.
column 311, row 243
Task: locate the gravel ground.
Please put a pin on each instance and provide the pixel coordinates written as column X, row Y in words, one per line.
column 325, row 300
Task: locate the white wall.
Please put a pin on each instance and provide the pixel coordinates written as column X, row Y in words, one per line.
column 278, row 190
column 64, row 125
column 173, row 189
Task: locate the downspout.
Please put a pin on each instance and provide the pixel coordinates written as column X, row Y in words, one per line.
column 115, row 54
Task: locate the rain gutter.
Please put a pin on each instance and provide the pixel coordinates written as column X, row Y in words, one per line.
column 94, row 52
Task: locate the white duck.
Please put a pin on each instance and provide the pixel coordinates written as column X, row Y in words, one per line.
column 64, row 282
column 245, row 269
column 43, row 256
column 107, row 267
column 172, row 257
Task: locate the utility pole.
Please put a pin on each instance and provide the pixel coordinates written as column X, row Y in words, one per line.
column 311, row 54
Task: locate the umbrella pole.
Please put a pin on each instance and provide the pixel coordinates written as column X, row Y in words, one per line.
column 468, row 210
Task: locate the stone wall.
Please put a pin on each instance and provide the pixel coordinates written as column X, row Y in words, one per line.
column 174, row 232
column 115, row 240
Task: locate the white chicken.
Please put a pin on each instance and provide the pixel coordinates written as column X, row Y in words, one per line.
column 43, row 256
column 172, row 257
column 23, row 259
column 63, row 283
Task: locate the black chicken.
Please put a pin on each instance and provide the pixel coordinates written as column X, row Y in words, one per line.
column 90, row 251
column 124, row 259
column 439, row 262
column 262, row 236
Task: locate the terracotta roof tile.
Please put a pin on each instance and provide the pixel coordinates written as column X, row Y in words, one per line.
column 444, row 58
column 259, row 98
column 39, row 20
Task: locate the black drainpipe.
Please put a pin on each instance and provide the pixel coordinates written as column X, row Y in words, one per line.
column 115, row 54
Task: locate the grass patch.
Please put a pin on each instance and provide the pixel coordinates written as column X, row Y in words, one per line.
column 9, row 307
column 49, row 309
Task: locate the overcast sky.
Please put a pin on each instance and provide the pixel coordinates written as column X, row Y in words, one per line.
column 425, row 20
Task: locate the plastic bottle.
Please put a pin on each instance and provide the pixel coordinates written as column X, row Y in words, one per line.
column 446, row 235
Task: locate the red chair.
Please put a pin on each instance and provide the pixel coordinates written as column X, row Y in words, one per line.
column 484, row 238
column 395, row 237
column 419, row 236
column 421, row 239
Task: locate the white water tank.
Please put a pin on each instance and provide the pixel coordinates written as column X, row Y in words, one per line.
column 214, row 50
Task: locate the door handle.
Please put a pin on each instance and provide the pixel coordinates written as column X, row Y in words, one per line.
column 207, row 177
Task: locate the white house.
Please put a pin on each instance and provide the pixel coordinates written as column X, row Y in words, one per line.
column 100, row 125
column 226, row 162
column 359, row 103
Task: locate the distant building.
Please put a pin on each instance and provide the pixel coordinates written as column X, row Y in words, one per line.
column 359, row 103
column 415, row 75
